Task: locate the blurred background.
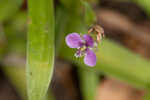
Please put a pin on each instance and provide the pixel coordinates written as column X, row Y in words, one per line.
column 127, row 22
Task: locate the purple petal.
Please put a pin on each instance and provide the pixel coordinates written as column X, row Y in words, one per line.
column 90, row 58
column 73, row 40
column 89, row 40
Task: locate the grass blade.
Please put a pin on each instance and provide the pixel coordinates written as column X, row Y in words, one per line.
column 40, row 48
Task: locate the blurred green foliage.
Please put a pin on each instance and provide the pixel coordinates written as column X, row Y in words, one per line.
column 145, row 4
column 71, row 16
column 90, row 17
column 8, row 8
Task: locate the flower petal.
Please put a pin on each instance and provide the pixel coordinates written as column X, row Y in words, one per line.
column 89, row 40
column 73, row 40
column 90, row 58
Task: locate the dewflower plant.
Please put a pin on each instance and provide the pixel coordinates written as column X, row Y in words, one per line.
column 86, row 44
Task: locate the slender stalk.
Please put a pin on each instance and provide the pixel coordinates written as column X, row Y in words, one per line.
column 88, row 83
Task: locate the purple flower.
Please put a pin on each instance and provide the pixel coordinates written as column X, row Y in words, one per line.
column 84, row 45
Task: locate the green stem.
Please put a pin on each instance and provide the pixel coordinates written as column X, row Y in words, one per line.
column 88, row 84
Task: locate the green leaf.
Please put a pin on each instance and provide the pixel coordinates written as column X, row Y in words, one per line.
column 123, row 64
column 2, row 41
column 15, row 72
column 145, row 4
column 40, row 48
column 118, row 62
column 73, row 6
column 60, row 26
column 17, row 77
column 89, row 17
column 15, row 32
column 9, row 8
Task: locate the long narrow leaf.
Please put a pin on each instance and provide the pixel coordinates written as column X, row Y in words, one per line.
column 116, row 61
column 40, row 48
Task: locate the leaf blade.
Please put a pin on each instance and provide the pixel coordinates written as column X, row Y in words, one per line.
column 40, row 48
